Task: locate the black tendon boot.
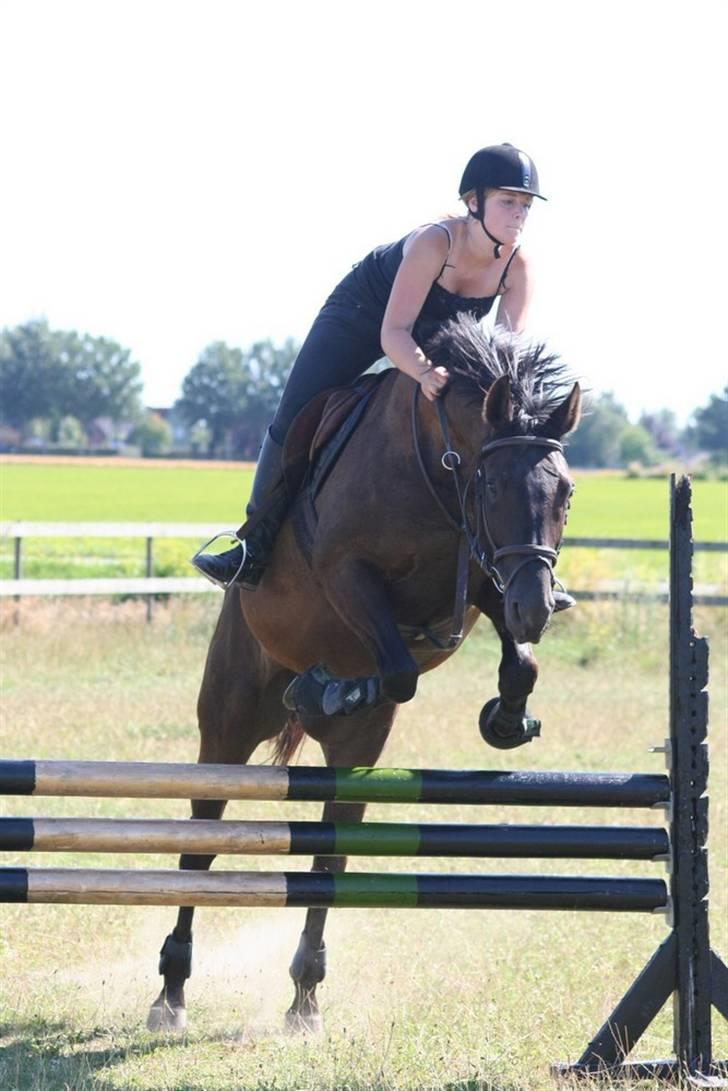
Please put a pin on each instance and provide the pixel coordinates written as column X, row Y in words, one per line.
column 246, row 562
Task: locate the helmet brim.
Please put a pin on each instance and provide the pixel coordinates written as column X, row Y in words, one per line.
column 522, row 189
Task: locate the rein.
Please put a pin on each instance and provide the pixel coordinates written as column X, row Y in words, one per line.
column 470, row 545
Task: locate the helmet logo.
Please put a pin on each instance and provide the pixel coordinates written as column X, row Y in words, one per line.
column 525, row 167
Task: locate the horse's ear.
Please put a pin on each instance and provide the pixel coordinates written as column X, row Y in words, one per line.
column 498, row 408
column 565, row 417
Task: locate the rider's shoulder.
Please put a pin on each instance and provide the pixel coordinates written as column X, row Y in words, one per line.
column 520, row 265
column 433, row 239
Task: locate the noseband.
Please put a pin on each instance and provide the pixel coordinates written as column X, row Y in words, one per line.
column 488, row 555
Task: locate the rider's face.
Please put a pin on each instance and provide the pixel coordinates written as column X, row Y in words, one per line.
column 506, row 213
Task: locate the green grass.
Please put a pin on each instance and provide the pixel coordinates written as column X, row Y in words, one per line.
column 413, row 1000
column 604, row 506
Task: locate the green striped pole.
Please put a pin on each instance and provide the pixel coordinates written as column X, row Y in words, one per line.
column 364, row 785
column 292, row 888
column 329, row 839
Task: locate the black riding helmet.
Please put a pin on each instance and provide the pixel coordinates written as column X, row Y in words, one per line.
column 499, row 166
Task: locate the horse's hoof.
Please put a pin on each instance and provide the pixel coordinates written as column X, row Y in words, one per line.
column 164, row 1018
column 297, row 1022
column 505, row 731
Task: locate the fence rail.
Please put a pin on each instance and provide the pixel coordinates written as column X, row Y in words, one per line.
column 151, row 585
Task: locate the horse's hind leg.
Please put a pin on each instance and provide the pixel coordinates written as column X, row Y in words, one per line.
column 355, row 740
column 168, row 1012
column 237, row 709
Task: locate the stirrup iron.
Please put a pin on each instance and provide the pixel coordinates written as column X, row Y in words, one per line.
column 233, row 534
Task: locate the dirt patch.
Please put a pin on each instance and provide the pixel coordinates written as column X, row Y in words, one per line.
column 136, row 463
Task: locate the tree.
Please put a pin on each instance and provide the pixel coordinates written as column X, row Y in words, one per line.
column 101, row 378
column 596, row 441
column 49, row 374
column 265, row 370
column 212, row 391
column 662, row 426
column 70, row 432
column 235, row 392
column 31, row 374
column 636, row 445
column 152, row 434
column 709, row 430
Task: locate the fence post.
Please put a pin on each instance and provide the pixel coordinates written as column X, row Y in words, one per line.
column 149, row 574
column 17, row 573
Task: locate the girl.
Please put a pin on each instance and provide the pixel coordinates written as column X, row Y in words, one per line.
column 389, row 304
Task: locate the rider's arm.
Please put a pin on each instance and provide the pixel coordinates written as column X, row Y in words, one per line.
column 515, row 301
column 424, row 256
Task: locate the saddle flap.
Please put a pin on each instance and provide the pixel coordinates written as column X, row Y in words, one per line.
column 318, row 422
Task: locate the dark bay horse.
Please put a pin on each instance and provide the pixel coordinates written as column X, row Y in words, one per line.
column 483, row 477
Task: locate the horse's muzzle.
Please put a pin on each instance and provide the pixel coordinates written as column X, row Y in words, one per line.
column 529, row 603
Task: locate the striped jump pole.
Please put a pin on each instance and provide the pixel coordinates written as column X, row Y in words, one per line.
column 302, row 888
column 208, row 836
column 147, row 780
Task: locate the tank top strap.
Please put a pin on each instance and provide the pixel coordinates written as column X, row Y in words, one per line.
column 504, row 274
column 447, row 231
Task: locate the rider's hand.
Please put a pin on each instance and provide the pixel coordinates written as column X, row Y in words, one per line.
column 433, row 381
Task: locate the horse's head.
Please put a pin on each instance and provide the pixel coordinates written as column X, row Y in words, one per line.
column 519, row 484
column 523, row 495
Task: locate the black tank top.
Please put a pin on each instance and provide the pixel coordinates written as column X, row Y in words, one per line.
column 369, row 285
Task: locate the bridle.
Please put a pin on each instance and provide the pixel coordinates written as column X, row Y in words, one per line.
column 528, row 551
column 477, row 540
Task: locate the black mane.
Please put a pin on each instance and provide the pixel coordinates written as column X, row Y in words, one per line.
column 540, row 380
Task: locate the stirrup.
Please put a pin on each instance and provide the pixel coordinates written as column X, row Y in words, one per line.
column 203, row 549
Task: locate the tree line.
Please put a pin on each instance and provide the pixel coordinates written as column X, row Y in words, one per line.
column 56, row 386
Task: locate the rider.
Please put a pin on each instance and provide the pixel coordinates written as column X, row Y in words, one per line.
column 390, row 303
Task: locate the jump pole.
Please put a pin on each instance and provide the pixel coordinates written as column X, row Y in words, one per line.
column 212, row 836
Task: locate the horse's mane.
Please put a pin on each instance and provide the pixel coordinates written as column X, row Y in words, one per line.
column 539, row 379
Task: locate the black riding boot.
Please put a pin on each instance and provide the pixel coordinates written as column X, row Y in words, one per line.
column 246, row 562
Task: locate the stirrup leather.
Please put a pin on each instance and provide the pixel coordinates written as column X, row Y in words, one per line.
column 203, row 549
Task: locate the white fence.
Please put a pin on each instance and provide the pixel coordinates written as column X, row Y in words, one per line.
column 150, row 585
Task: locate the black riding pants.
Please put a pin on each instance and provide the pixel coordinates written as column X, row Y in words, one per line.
column 342, row 343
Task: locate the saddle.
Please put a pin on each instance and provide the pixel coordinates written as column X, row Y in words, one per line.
column 315, row 442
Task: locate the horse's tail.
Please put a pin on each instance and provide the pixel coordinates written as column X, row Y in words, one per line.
column 288, row 741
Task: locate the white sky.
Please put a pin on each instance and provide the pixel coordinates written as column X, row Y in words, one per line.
column 178, row 172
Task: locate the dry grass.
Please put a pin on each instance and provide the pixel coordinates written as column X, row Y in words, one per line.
column 413, row 999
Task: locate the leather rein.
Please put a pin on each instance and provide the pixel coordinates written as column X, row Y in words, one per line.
column 471, row 545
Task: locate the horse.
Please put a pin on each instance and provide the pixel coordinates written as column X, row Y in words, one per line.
column 432, row 514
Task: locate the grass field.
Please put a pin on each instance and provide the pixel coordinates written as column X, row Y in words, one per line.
column 604, row 506
column 414, row 1000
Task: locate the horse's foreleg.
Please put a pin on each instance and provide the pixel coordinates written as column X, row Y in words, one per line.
column 505, row 721
column 357, row 740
